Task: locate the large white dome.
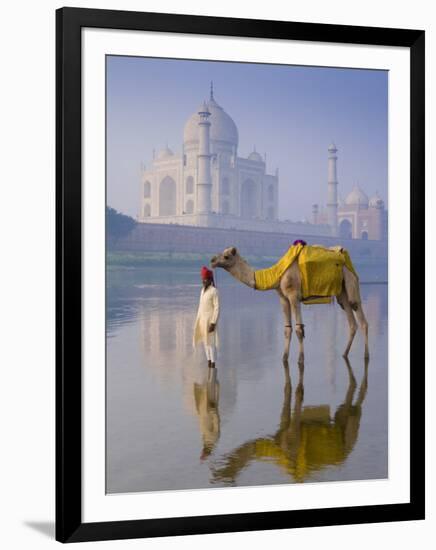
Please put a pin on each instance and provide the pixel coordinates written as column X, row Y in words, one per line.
column 222, row 126
column 357, row 197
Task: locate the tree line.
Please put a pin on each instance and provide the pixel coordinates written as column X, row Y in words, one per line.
column 118, row 225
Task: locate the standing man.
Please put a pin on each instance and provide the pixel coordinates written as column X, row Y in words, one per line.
column 205, row 328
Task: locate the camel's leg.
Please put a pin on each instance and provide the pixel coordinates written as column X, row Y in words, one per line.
column 351, row 283
column 343, row 300
column 299, row 326
column 363, row 385
column 363, row 326
column 352, row 385
column 286, row 308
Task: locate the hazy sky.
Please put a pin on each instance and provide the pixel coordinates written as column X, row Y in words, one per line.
column 292, row 113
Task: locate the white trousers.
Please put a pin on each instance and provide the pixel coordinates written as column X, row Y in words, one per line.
column 210, row 351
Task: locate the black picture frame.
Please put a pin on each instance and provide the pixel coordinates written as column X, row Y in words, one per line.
column 69, row 525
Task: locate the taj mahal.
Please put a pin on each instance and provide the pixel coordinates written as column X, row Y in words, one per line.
column 209, row 185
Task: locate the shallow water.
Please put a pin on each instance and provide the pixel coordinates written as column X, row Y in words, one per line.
column 173, row 424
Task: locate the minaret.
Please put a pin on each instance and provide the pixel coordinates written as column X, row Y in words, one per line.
column 315, row 212
column 204, row 181
column 332, row 198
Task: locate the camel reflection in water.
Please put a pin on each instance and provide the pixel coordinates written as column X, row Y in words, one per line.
column 308, row 439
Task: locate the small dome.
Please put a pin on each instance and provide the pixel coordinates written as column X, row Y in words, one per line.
column 164, row 153
column 254, row 155
column 357, row 197
column 332, row 148
column 222, row 126
column 376, row 202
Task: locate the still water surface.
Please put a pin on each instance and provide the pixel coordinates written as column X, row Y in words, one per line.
column 173, row 424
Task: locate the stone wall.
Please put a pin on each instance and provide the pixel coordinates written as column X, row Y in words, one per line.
column 202, row 240
column 223, row 221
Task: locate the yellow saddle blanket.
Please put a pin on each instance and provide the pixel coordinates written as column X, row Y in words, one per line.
column 320, row 268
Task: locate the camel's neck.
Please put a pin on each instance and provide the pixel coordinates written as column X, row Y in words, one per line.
column 243, row 272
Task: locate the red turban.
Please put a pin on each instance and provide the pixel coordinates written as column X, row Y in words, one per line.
column 206, row 273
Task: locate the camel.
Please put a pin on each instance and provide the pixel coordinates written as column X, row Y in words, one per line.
column 289, row 291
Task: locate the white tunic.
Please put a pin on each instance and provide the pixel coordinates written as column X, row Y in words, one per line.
column 208, row 313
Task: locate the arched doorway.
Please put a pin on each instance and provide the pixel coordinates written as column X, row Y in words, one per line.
column 249, row 199
column 189, row 207
column 364, row 235
column 147, row 210
column 189, row 185
column 225, row 186
column 167, row 197
column 345, row 230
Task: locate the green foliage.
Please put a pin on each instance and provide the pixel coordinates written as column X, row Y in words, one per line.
column 118, row 258
column 118, row 225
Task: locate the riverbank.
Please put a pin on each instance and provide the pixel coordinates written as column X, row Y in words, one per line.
column 370, row 270
column 151, row 259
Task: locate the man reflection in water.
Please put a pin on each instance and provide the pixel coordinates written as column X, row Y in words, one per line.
column 205, row 329
column 206, row 397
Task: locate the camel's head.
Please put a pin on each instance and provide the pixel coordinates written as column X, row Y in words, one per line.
column 226, row 259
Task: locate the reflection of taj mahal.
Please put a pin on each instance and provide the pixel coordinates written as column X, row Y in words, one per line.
column 209, row 185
